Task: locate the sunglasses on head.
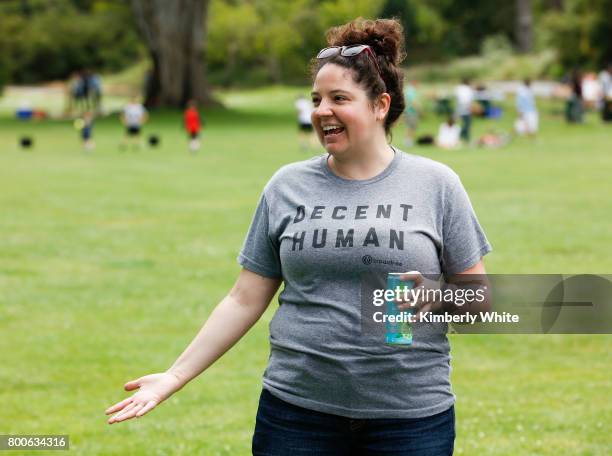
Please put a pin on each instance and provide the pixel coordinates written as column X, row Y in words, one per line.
column 349, row 51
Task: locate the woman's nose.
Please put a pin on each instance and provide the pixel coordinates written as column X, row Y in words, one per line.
column 322, row 110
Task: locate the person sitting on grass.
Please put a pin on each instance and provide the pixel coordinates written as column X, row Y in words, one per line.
column 449, row 134
column 493, row 139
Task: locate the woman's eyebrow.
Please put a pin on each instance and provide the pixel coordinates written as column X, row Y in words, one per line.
column 332, row 92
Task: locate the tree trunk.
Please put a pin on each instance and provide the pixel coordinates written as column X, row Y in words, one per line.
column 174, row 32
column 555, row 5
column 274, row 69
column 524, row 25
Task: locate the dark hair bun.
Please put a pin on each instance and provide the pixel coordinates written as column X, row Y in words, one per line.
column 384, row 36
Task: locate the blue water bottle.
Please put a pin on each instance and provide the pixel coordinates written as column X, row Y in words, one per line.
column 397, row 333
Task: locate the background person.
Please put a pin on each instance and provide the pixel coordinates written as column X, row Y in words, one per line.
column 528, row 119
column 191, row 119
column 605, row 81
column 575, row 109
column 493, row 139
column 591, row 91
column 328, row 389
column 449, row 134
column 86, row 125
column 411, row 113
column 133, row 118
column 305, row 131
column 484, row 99
column 464, row 95
column 95, row 92
column 79, row 90
column 71, row 90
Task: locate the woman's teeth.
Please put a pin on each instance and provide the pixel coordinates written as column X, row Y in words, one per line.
column 332, row 130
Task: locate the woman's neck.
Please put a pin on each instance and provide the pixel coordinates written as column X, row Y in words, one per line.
column 364, row 163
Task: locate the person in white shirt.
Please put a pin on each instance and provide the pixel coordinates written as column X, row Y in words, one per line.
column 305, row 131
column 527, row 122
column 591, row 91
column 464, row 95
column 605, row 81
column 133, row 118
column 449, row 135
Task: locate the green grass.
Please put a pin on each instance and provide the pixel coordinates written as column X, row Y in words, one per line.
column 110, row 262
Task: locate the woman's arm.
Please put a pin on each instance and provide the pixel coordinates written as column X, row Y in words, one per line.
column 228, row 322
column 474, row 277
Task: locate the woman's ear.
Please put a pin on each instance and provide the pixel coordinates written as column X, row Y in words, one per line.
column 382, row 106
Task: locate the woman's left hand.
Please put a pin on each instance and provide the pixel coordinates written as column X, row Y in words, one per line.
column 425, row 300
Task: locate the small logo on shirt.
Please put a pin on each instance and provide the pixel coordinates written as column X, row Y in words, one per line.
column 368, row 260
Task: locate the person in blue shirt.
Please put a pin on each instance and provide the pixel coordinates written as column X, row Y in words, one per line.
column 411, row 112
column 528, row 120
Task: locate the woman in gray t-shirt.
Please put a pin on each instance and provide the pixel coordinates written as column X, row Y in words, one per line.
column 320, row 224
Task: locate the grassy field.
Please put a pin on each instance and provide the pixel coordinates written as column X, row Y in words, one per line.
column 110, row 262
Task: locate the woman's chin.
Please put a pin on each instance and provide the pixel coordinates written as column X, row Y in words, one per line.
column 335, row 148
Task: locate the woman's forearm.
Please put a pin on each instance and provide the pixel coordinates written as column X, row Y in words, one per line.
column 480, row 299
column 475, row 279
column 229, row 321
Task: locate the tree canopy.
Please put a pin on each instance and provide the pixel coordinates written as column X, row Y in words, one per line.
column 262, row 41
column 43, row 40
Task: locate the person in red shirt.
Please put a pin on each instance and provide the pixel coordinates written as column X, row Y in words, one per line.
column 193, row 125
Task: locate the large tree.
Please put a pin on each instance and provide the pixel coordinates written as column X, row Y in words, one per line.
column 174, row 32
column 524, row 25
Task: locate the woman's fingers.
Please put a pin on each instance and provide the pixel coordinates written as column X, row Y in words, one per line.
column 404, row 304
column 133, row 384
column 415, row 276
column 415, row 305
column 426, row 308
column 118, row 406
column 129, row 414
column 433, row 307
column 118, row 416
column 146, row 408
column 421, row 304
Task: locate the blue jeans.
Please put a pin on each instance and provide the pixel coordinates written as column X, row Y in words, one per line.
column 283, row 429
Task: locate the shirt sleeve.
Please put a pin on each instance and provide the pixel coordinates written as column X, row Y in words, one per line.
column 260, row 251
column 464, row 242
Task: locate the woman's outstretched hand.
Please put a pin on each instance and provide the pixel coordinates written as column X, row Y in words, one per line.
column 152, row 390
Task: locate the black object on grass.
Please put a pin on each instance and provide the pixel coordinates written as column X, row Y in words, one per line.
column 26, row 142
column 425, row 140
column 153, row 140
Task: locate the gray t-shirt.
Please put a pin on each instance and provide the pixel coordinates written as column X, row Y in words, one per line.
column 319, row 232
